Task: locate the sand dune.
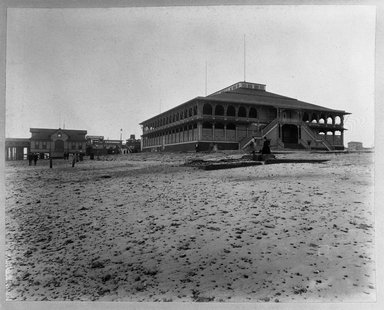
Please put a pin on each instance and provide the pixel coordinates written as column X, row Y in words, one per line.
column 143, row 227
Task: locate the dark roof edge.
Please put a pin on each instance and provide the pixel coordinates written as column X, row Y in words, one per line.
column 277, row 105
column 172, row 109
column 53, row 129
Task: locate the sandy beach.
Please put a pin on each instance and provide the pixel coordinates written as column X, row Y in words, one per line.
column 144, row 227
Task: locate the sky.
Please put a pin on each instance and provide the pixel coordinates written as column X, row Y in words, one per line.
column 106, row 69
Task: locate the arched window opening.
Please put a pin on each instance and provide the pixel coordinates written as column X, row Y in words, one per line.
column 338, row 120
column 329, row 120
column 321, row 121
column 329, row 133
column 252, row 113
column 219, row 110
column 242, row 112
column 321, row 133
column 231, row 111
column 207, row 109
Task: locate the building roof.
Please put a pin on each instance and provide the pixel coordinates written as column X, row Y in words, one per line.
column 255, row 94
column 251, row 93
column 45, row 133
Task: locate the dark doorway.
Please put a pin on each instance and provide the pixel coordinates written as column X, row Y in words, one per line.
column 290, row 134
column 59, row 146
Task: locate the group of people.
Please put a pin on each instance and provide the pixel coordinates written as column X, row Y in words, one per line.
column 32, row 157
column 76, row 157
column 266, row 149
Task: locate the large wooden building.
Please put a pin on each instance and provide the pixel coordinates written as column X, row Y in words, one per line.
column 230, row 118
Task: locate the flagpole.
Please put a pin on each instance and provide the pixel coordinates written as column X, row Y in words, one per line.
column 244, row 58
column 206, row 77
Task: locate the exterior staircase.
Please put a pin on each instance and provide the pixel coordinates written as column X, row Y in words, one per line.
column 260, row 135
column 316, row 137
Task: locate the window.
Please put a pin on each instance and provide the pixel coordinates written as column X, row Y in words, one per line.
column 219, row 110
column 252, row 113
column 80, row 146
column 231, row 111
column 207, row 109
column 242, row 112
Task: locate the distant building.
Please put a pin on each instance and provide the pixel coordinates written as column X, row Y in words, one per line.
column 17, row 148
column 133, row 145
column 355, row 146
column 113, row 146
column 97, row 145
column 56, row 142
column 231, row 118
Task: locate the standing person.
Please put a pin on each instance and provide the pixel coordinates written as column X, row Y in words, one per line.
column 197, row 147
column 252, row 148
column 30, row 158
column 73, row 160
column 252, row 145
column 35, row 157
column 266, row 149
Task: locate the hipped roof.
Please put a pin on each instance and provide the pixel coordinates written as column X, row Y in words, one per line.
column 262, row 97
column 258, row 97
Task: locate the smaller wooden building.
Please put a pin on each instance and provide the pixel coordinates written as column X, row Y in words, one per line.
column 56, row 142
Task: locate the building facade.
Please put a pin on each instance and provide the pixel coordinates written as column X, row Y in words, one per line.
column 97, row 145
column 355, row 146
column 231, row 118
column 17, row 148
column 133, row 145
column 56, row 142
